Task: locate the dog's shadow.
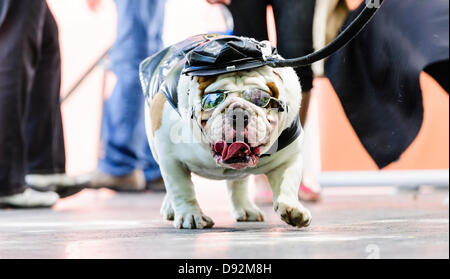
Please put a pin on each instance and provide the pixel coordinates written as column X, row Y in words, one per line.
column 246, row 228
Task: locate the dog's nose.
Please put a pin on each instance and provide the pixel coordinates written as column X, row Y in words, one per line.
column 239, row 117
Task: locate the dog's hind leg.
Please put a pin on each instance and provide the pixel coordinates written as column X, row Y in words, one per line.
column 244, row 210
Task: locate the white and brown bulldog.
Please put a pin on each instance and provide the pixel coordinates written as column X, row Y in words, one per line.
column 224, row 126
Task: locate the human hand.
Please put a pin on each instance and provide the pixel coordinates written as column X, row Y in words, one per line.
column 226, row 2
column 93, row 5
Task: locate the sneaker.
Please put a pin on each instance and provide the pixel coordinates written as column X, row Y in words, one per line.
column 156, row 186
column 309, row 190
column 62, row 184
column 133, row 182
column 30, row 199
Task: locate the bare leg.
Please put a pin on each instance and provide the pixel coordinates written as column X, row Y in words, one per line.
column 306, row 97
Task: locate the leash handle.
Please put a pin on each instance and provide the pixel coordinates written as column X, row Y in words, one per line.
column 345, row 37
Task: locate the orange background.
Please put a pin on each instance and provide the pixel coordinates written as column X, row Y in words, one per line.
column 342, row 150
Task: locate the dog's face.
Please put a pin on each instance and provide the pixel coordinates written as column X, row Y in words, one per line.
column 241, row 115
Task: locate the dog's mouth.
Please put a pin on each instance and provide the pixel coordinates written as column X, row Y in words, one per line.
column 237, row 155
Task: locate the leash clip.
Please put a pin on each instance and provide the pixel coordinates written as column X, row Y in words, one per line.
column 266, row 49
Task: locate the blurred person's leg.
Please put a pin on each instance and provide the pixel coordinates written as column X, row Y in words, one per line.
column 294, row 23
column 43, row 125
column 152, row 18
column 294, row 20
column 124, row 141
column 43, row 129
column 21, row 28
column 250, row 18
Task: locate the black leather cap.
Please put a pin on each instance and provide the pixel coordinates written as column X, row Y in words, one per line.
column 226, row 54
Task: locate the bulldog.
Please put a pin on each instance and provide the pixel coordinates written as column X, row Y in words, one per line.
column 224, row 121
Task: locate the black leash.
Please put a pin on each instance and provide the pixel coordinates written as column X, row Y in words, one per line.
column 341, row 41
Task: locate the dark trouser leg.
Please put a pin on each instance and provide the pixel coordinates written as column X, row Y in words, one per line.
column 20, row 40
column 43, row 125
column 294, row 20
column 250, row 18
column 294, row 33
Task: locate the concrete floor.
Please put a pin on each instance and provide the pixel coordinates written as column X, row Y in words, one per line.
column 347, row 224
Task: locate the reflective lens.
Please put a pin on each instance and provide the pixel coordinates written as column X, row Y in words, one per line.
column 212, row 100
column 257, row 96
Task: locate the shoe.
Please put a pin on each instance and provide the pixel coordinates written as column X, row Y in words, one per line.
column 309, row 190
column 62, row 184
column 156, row 186
column 133, row 182
column 30, row 199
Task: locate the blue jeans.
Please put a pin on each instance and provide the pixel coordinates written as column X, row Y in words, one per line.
column 124, row 142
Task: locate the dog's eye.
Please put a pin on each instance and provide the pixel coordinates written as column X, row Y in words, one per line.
column 257, row 96
column 212, row 100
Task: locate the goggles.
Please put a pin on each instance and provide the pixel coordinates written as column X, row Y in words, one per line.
column 258, row 97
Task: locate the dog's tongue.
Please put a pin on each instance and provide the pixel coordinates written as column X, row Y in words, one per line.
column 233, row 150
column 221, row 147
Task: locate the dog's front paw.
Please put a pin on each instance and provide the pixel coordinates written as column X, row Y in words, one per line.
column 192, row 219
column 249, row 213
column 293, row 213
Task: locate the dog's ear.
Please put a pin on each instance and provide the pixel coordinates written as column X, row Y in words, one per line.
column 204, row 82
